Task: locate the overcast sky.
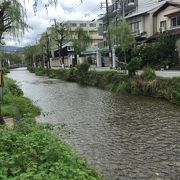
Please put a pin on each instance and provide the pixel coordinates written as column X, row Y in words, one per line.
column 65, row 10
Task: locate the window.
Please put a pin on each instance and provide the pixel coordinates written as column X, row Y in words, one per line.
column 92, row 25
column 82, row 24
column 163, row 25
column 135, row 27
column 73, row 24
column 131, row 2
column 175, row 21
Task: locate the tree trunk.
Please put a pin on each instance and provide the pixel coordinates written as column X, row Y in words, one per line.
column 125, row 61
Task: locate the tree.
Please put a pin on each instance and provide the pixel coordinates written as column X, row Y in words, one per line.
column 165, row 49
column 121, row 35
column 59, row 34
column 31, row 54
column 45, row 46
column 12, row 16
column 81, row 41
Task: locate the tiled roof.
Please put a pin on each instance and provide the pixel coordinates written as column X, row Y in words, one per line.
column 146, row 7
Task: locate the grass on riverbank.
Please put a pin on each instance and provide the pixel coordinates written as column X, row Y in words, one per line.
column 147, row 84
column 33, row 151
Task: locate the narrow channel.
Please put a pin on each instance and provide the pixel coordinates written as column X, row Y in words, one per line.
column 123, row 136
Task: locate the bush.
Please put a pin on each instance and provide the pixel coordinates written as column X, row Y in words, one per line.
column 84, row 67
column 174, row 92
column 134, row 65
column 32, row 151
column 14, row 103
column 148, row 74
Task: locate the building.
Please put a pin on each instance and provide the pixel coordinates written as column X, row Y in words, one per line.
column 117, row 9
column 162, row 16
column 141, row 20
column 147, row 20
column 167, row 19
column 92, row 28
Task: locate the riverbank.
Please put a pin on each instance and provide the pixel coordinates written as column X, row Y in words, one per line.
column 145, row 84
column 31, row 150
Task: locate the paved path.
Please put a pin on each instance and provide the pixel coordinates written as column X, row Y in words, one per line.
column 166, row 73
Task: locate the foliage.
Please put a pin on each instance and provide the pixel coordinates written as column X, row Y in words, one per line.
column 31, row 54
column 10, row 59
column 81, row 41
column 166, row 44
column 14, row 104
column 81, row 73
column 159, row 53
column 59, row 33
column 12, row 16
column 33, row 151
column 146, row 84
column 84, row 67
column 121, row 35
column 148, row 74
column 134, row 65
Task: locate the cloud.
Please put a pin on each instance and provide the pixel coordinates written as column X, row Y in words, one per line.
column 65, row 10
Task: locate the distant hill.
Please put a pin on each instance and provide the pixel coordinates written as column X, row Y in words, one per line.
column 11, row 49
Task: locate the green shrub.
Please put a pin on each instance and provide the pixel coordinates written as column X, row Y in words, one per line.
column 14, row 103
column 31, row 151
column 148, row 74
column 84, row 67
column 12, row 87
column 174, row 91
column 134, row 65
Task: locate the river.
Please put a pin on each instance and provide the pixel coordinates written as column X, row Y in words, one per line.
column 123, row 136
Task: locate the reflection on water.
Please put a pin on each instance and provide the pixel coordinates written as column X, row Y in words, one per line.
column 123, row 136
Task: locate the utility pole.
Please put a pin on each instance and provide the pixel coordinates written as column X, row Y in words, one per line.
column 108, row 34
column 123, row 8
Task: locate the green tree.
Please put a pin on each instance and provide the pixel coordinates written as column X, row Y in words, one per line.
column 121, row 35
column 31, row 54
column 59, row 33
column 165, row 48
column 12, row 17
column 81, row 41
column 45, row 47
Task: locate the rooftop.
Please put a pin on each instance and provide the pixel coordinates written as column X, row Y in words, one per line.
column 146, row 7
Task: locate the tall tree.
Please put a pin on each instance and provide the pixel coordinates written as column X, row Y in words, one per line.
column 45, row 46
column 31, row 53
column 59, row 34
column 81, row 41
column 121, row 35
column 12, row 17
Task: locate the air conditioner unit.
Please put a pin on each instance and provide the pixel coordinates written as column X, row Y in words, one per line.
column 162, row 29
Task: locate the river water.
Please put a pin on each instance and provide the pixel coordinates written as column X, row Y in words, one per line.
column 123, row 136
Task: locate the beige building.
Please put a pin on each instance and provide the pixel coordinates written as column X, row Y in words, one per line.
column 149, row 23
column 89, row 26
column 167, row 18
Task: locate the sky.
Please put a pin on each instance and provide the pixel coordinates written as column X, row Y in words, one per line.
column 65, row 10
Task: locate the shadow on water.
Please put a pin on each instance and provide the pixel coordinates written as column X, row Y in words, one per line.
column 125, row 137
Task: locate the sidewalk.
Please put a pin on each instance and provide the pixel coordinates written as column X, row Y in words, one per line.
column 164, row 73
